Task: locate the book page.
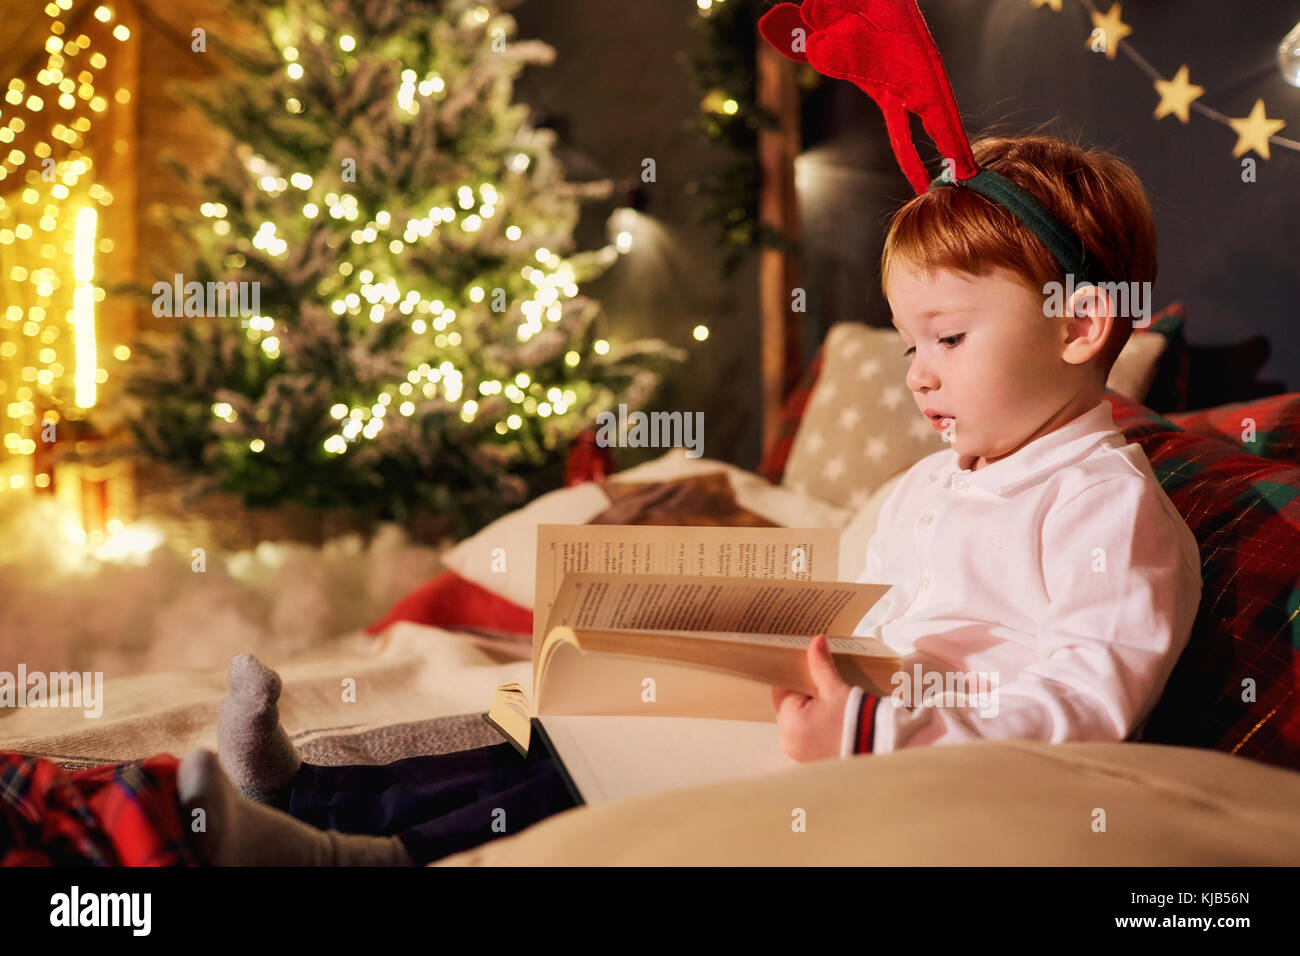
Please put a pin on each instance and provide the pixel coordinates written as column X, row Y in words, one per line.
column 614, row 758
column 808, row 554
column 866, row 646
column 657, row 602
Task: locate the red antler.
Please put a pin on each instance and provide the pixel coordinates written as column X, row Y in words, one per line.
column 885, row 48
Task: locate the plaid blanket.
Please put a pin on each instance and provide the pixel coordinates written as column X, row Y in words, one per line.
column 125, row 814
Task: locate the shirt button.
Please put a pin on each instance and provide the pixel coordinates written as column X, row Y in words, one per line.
column 927, row 518
column 925, row 581
column 960, row 484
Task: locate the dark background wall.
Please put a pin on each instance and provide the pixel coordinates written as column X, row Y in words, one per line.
column 617, row 93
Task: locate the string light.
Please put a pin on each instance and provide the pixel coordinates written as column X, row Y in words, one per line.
column 53, row 253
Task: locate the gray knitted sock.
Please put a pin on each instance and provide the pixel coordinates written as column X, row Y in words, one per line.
column 239, row 832
column 253, row 748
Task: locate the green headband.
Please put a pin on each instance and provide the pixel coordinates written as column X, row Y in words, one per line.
column 1060, row 241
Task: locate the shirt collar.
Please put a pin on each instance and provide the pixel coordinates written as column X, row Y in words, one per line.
column 1046, row 453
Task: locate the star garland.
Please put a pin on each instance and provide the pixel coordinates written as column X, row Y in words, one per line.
column 1178, row 95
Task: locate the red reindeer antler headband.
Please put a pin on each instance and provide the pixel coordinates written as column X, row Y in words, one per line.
column 885, row 48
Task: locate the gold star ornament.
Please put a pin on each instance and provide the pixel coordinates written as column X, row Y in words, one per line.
column 1254, row 130
column 1112, row 26
column 1176, row 95
column 1054, row 4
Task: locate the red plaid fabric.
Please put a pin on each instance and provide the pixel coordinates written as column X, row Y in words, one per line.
column 1268, row 427
column 1237, row 686
column 117, row 815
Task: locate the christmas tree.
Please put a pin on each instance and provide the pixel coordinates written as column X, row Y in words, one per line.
column 417, row 338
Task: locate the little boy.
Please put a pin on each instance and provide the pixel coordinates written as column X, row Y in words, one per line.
column 1037, row 560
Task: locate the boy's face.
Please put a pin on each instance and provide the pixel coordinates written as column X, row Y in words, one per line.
column 1000, row 372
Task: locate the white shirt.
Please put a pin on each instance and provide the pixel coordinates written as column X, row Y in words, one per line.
column 1060, row 580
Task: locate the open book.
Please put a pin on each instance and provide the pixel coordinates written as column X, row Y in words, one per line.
column 643, row 645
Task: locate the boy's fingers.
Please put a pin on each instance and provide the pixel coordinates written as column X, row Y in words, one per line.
column 825, row 676
column 779, row 695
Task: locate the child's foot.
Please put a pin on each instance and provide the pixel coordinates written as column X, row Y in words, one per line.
column 253, row 748
column 239, row 832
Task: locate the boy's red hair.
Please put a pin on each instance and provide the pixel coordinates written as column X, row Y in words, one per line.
column 1091, row 191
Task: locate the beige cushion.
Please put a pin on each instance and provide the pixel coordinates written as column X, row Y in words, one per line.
column 988, row 803
column 1134, row 370
column 861, row 425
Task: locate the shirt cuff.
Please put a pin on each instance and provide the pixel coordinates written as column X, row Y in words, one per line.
column 859, row 723
column 852, row 709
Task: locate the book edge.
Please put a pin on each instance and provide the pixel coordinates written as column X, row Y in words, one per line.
column 545, row 738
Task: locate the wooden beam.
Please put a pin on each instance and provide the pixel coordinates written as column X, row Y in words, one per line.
column 778, row 271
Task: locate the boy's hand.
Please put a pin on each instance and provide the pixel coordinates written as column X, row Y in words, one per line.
column 811, row 727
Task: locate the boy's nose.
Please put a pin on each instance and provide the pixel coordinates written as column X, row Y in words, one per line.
column 919, row 377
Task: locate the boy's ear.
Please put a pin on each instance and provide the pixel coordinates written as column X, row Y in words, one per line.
column 1091, row 315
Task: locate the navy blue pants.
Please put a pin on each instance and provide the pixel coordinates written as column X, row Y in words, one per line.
column 435, row 805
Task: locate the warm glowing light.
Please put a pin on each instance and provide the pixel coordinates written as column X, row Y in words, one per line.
column 83, row 306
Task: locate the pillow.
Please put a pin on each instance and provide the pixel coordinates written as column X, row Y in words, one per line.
column 1156, row 351
column 1135, row 367
column 451, row 602
column 861, row 424
column 1237, row 685
column 510, row 573
column 1268, row 427
column 1169, row 389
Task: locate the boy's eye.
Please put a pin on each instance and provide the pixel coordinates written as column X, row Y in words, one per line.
column 955, row 340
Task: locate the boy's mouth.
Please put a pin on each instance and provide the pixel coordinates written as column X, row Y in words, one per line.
column 939, row 420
